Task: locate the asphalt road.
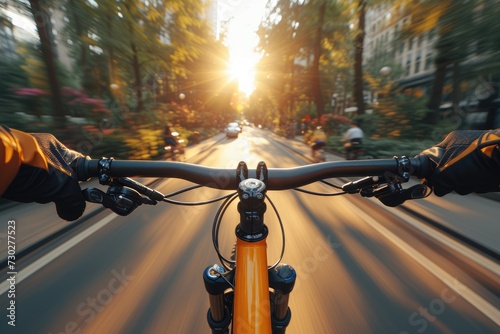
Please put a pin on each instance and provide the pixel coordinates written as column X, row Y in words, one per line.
column 362, row 268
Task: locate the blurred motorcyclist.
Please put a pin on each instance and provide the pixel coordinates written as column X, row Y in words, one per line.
column 353, row 138
column 37, row 168
column 318, row 141
column 169, row 138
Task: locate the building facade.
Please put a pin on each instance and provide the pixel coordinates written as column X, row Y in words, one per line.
column 412, row 58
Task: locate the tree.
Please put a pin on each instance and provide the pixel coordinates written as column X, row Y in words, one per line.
column 280, row 46
column 358, row 57
column 78, row 13
column 39, row 11
column 359, row 8
column 215, row 90
column 296, row 41
column 160, row 39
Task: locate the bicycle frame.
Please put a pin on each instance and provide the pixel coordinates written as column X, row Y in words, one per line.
column 251, row 293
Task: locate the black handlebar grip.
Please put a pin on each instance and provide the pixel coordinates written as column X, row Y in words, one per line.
column 422, row 166
column 81, row 167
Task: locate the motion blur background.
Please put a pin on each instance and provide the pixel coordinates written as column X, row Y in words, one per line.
column 107, row 76
column 102, row 74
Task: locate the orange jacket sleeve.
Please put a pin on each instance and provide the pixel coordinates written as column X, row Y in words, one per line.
column 17, row 148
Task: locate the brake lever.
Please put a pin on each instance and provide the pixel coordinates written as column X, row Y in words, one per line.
column 392, row 192
column 394, row 195
column 415, row 192
column 151, row 193
column 121, row 200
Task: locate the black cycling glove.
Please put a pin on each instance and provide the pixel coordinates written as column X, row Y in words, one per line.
column 466, row 161
column 58, row 185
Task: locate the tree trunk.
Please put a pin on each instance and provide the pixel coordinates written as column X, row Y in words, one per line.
column 138, row 80
column 111, row 66
column 437, row 86
column 136, row 66
column 83, row 61
column 358, row 59
column 317, row 93
column 41, row 18
column 455, row 95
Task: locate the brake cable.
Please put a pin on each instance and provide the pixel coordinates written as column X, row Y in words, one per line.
column 333, row 185
column 215, row 230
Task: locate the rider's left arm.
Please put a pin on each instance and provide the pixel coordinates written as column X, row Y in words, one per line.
column 17, row 148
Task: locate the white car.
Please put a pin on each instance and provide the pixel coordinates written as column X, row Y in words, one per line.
column 233, row 130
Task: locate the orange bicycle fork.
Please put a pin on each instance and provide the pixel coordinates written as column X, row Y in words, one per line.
column 251, row 296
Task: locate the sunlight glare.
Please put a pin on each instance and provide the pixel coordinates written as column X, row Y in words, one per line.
column 242, row 40
column 242, row 69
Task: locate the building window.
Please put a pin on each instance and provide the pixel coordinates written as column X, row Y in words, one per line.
column 408, row 65
column 418, row 60
column 428, row 60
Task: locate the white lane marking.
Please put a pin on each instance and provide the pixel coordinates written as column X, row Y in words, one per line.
column 52, row 255
column 465, row 292
column 472, row 255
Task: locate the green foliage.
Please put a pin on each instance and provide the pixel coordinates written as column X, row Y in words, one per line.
column 306, row 51
column 400, row 116
column 12, row 77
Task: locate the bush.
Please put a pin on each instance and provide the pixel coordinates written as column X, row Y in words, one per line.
column 401, row 116
column 334, row 124
column 382, row 148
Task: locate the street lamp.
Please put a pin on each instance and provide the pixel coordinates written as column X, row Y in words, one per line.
column 385, row 71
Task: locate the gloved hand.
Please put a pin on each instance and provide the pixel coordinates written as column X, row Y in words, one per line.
column 58, row 185
column 466, row 161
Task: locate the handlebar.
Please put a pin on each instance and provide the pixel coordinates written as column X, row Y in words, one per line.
column 125, row 194
column 227, row 179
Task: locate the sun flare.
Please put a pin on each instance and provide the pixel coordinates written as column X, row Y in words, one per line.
column 243, row 71
column 242, row 40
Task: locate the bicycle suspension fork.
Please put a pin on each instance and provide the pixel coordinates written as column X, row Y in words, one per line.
column 255, row 308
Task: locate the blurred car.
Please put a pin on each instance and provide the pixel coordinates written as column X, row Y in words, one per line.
column 232, row 130
column 240, row 125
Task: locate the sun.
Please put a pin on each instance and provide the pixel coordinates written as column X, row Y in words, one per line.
column 242, row 41
column 243, row 58
column 243, row 71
